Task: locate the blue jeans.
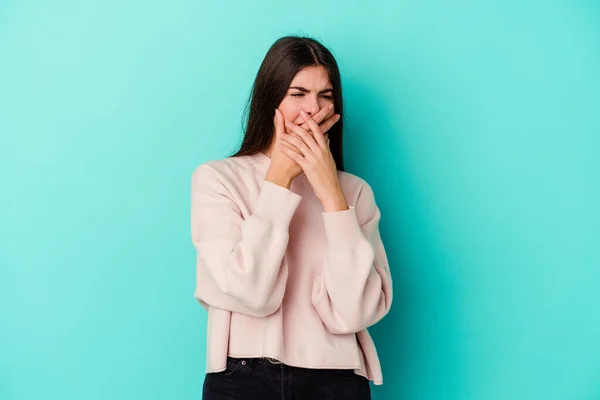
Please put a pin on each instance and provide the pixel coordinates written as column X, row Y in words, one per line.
column 262, row 379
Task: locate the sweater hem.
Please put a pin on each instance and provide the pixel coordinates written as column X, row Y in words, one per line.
column 284, row 361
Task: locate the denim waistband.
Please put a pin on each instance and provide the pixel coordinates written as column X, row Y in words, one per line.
column 272, row 360
column 252, row 360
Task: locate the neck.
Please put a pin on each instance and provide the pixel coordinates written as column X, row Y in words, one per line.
column 269, row 151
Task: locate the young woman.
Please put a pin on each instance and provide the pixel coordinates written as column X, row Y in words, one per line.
column 290, row 262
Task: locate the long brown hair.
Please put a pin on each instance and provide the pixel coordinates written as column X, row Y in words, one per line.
column 284, row 59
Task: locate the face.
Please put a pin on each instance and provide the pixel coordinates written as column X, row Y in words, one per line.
column 310, row 90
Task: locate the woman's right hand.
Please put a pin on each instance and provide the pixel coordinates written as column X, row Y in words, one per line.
column 283, row 170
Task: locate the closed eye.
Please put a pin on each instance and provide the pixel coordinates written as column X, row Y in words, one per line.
column 302, row 94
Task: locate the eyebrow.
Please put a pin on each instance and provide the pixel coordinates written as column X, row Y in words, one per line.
column 300, row 88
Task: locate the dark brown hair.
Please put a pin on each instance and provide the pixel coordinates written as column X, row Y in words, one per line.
column 286, row 57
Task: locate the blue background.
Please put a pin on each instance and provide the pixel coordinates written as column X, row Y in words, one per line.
column 476, row 123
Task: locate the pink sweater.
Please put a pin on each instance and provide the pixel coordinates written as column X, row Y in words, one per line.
column 280, row 277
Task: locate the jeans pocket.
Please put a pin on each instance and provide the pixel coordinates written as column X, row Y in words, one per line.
column 232, row 366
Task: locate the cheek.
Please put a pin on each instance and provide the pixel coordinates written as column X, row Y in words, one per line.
column 290, row 111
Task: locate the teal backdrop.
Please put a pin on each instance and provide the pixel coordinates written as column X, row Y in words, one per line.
column 476, row 123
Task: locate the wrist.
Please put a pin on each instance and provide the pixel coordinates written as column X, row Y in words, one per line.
column 279, row 179
column 335, row 203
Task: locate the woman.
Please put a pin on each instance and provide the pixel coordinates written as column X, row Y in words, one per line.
column 290, row 262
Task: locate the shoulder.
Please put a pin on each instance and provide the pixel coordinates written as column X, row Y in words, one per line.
column 360, row 195
column 354, row 185
column 229, row 169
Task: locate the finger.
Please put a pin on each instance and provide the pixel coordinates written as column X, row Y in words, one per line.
column 290, row 132
column 280, row 125
column 298, row 143
column 293, row 155
column 325, row 126
column 314, row 127
column 287, row 132
column 279, row 122
column 291, row 147
column 305, row 136
column 323, row 113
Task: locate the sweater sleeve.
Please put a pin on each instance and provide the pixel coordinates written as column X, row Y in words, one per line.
column 239, row 262
column 354, row 289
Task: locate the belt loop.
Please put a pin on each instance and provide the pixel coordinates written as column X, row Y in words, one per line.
column 250, row 362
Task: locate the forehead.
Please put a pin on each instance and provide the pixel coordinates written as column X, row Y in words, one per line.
column 312, row 77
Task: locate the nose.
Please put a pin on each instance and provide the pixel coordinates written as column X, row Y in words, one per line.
column 312, row 106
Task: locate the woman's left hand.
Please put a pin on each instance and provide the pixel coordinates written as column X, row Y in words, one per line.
column 316, row 161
